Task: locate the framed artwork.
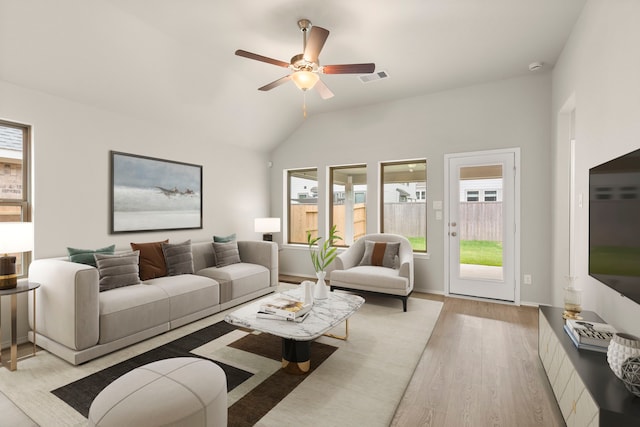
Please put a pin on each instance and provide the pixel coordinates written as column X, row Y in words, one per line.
column 149, row 194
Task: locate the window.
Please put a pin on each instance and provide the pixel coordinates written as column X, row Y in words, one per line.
column 15, row 141
column 491, row 195
column 348, row 209
column 403, row 201
column 473, row 196
column 302, row 189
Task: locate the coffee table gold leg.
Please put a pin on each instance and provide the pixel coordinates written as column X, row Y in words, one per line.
column 34, row 322
column 341, row 337
column 297, row 368
column 14, row 332
column 296, row 356
column 1, row 363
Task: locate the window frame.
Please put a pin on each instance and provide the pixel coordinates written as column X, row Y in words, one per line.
column 24, row 203
column 289, row 174
column 421, row 200
column 342, row 243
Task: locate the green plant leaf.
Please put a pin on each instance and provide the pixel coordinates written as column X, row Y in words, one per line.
column 323, row 254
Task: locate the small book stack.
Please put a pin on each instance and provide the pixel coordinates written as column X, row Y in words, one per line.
column 284, row 308
column 587, row 335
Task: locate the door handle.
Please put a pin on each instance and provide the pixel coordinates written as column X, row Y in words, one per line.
column 453, row 224
column 454, row 234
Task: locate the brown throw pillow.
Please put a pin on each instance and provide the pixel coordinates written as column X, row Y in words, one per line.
column 382, row 254
column 152, row 262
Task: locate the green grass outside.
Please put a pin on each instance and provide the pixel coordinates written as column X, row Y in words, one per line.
column 617, row 260
column 477, row 252
column 481, row 252
column 418, row 243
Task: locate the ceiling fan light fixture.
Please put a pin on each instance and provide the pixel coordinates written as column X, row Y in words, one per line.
column 305, row 80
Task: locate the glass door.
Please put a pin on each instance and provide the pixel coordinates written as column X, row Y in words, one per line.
column 481, row 226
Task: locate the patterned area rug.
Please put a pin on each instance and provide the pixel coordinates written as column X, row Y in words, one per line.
column 361, row 383
column 270, row 384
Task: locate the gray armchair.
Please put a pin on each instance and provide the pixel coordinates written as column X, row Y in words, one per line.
column 376, row 268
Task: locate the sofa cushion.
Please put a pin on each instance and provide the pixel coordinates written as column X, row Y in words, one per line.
column 117, row 270
column 132, row 309
column 85, row 256
column 381, row 254
column 237, row 280
column 152, row 262
column 226, row 253
column 187, row 293
column 371, row 278
column 178, row 258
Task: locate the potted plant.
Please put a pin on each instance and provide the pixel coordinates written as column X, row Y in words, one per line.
column 321, row 257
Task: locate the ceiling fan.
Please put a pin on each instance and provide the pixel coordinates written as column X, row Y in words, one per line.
column 305, row 66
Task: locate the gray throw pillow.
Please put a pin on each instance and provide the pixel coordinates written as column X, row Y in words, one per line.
column 226, row 253
column 381, row 254
column 118, row 270
column 85, row 256
column 178, row 257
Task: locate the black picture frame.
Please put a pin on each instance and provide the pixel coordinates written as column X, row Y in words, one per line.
column 151, row 194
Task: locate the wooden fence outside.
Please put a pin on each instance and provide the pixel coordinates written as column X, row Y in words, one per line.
column 305, row 217
column 477, row 221
column 406, row 219
column 480, row 221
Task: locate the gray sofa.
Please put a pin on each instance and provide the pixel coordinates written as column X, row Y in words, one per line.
column 77, row 322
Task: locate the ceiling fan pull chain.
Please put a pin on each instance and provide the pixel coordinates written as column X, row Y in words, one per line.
column 304, row 104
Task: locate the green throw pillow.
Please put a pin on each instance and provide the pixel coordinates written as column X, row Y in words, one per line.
column 85, row 256
column 224, row 239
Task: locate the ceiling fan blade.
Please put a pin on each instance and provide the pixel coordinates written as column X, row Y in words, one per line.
column 261, row 58
column 316, row 40
column 323, row 90
column 276, row 83
column 349, row 69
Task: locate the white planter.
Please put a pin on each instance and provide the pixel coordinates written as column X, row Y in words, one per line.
column 321, row 290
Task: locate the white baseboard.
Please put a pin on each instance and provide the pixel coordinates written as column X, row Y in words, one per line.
column 6, row 344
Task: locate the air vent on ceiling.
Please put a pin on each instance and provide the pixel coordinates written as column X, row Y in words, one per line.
column 368, row 78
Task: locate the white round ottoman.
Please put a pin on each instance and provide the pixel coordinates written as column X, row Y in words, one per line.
column 184, row 391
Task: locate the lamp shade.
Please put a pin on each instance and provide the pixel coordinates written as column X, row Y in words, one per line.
column 16, row 237
column 267, row 225
column 305, row 79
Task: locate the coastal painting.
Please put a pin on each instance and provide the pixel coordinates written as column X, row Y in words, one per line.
column 149, row 194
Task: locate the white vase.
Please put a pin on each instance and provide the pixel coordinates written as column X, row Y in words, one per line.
column 308, row 291
column 321, row 290
column 621, row 347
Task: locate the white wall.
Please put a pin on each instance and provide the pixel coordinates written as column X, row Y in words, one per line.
column 597, row 77
column 71, row 144
column 504, row 114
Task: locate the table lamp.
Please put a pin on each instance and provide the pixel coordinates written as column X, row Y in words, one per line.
column 15, row 237
column 267, row 226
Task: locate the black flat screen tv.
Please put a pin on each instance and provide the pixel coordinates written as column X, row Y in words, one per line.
column 614, row 224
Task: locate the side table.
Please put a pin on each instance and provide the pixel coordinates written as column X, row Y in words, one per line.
column 22, row 287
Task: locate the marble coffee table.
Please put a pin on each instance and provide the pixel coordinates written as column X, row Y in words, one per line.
column 297, row 337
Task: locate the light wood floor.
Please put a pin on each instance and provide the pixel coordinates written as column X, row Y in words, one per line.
column 480, row 368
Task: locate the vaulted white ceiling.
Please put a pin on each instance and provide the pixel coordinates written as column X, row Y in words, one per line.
column 173, row 61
